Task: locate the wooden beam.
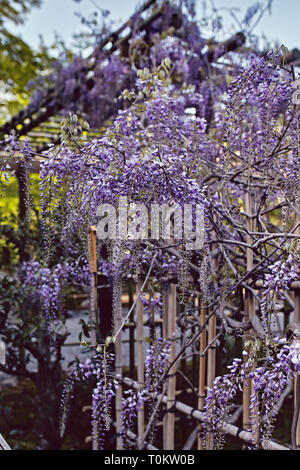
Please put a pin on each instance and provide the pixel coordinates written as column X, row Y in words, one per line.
column 140, row 363
column 250, row 310
column 171, row 393
column 202, row 369
column 93, row 290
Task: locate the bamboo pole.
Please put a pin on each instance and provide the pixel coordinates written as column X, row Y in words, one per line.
column 119, row 391
column 165, row 334
column 140, row 364
column 133, row 437
column 171, row 393
column 211, row 365
column 211, row 354
column 202, row 369
column 227, row 428
column 194, row 375
column 93, row 305
column 249, row 310
column 118, row 361
column 297, row 319
column 212, row 331
column 117, row 332
column 93, row 290
column 249, row 252
column 131, row 326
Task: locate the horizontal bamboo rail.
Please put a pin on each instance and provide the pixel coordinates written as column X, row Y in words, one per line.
column 227, row 428
column 133, row 436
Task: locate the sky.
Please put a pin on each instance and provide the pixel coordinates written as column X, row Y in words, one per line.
column 60, row 16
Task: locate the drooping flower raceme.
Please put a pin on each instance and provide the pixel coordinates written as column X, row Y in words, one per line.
column 269, row 381
column 45, row 286
column 156, row 362
column 96, row 371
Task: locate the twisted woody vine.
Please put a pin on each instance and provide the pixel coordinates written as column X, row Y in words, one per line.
column 183, row 121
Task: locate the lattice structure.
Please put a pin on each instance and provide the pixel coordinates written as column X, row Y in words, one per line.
column 41, row 126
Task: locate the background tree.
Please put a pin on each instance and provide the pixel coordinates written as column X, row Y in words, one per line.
column 19, row 63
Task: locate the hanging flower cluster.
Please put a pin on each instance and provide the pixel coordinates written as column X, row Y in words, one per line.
column 282, row 273
column 156, row 363
column 95, row 370
column 130, row 406
column 45, row 286
column 148, row 165
column 21, row 152
column 183, row 131
column 268, row 381
column 153, row 153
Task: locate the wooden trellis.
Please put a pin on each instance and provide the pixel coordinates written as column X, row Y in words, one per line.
column 206, row 367
column 42, row 127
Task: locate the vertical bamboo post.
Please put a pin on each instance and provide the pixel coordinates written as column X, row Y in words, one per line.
column 211, row 354
column 93, row 290
column 140, row 363
column 249, row 306
column 194, row 375
column 131, row 335
column 93, row 303
column 297, row 292
column 183, row 361
column 117, row 332
column 212, row 331
column 118, row 368
column 246, row 392
column 211, row 364
column 170, row 416
column 297, row 319
column 165, row 334
column 119, row 391
column 202, row 367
